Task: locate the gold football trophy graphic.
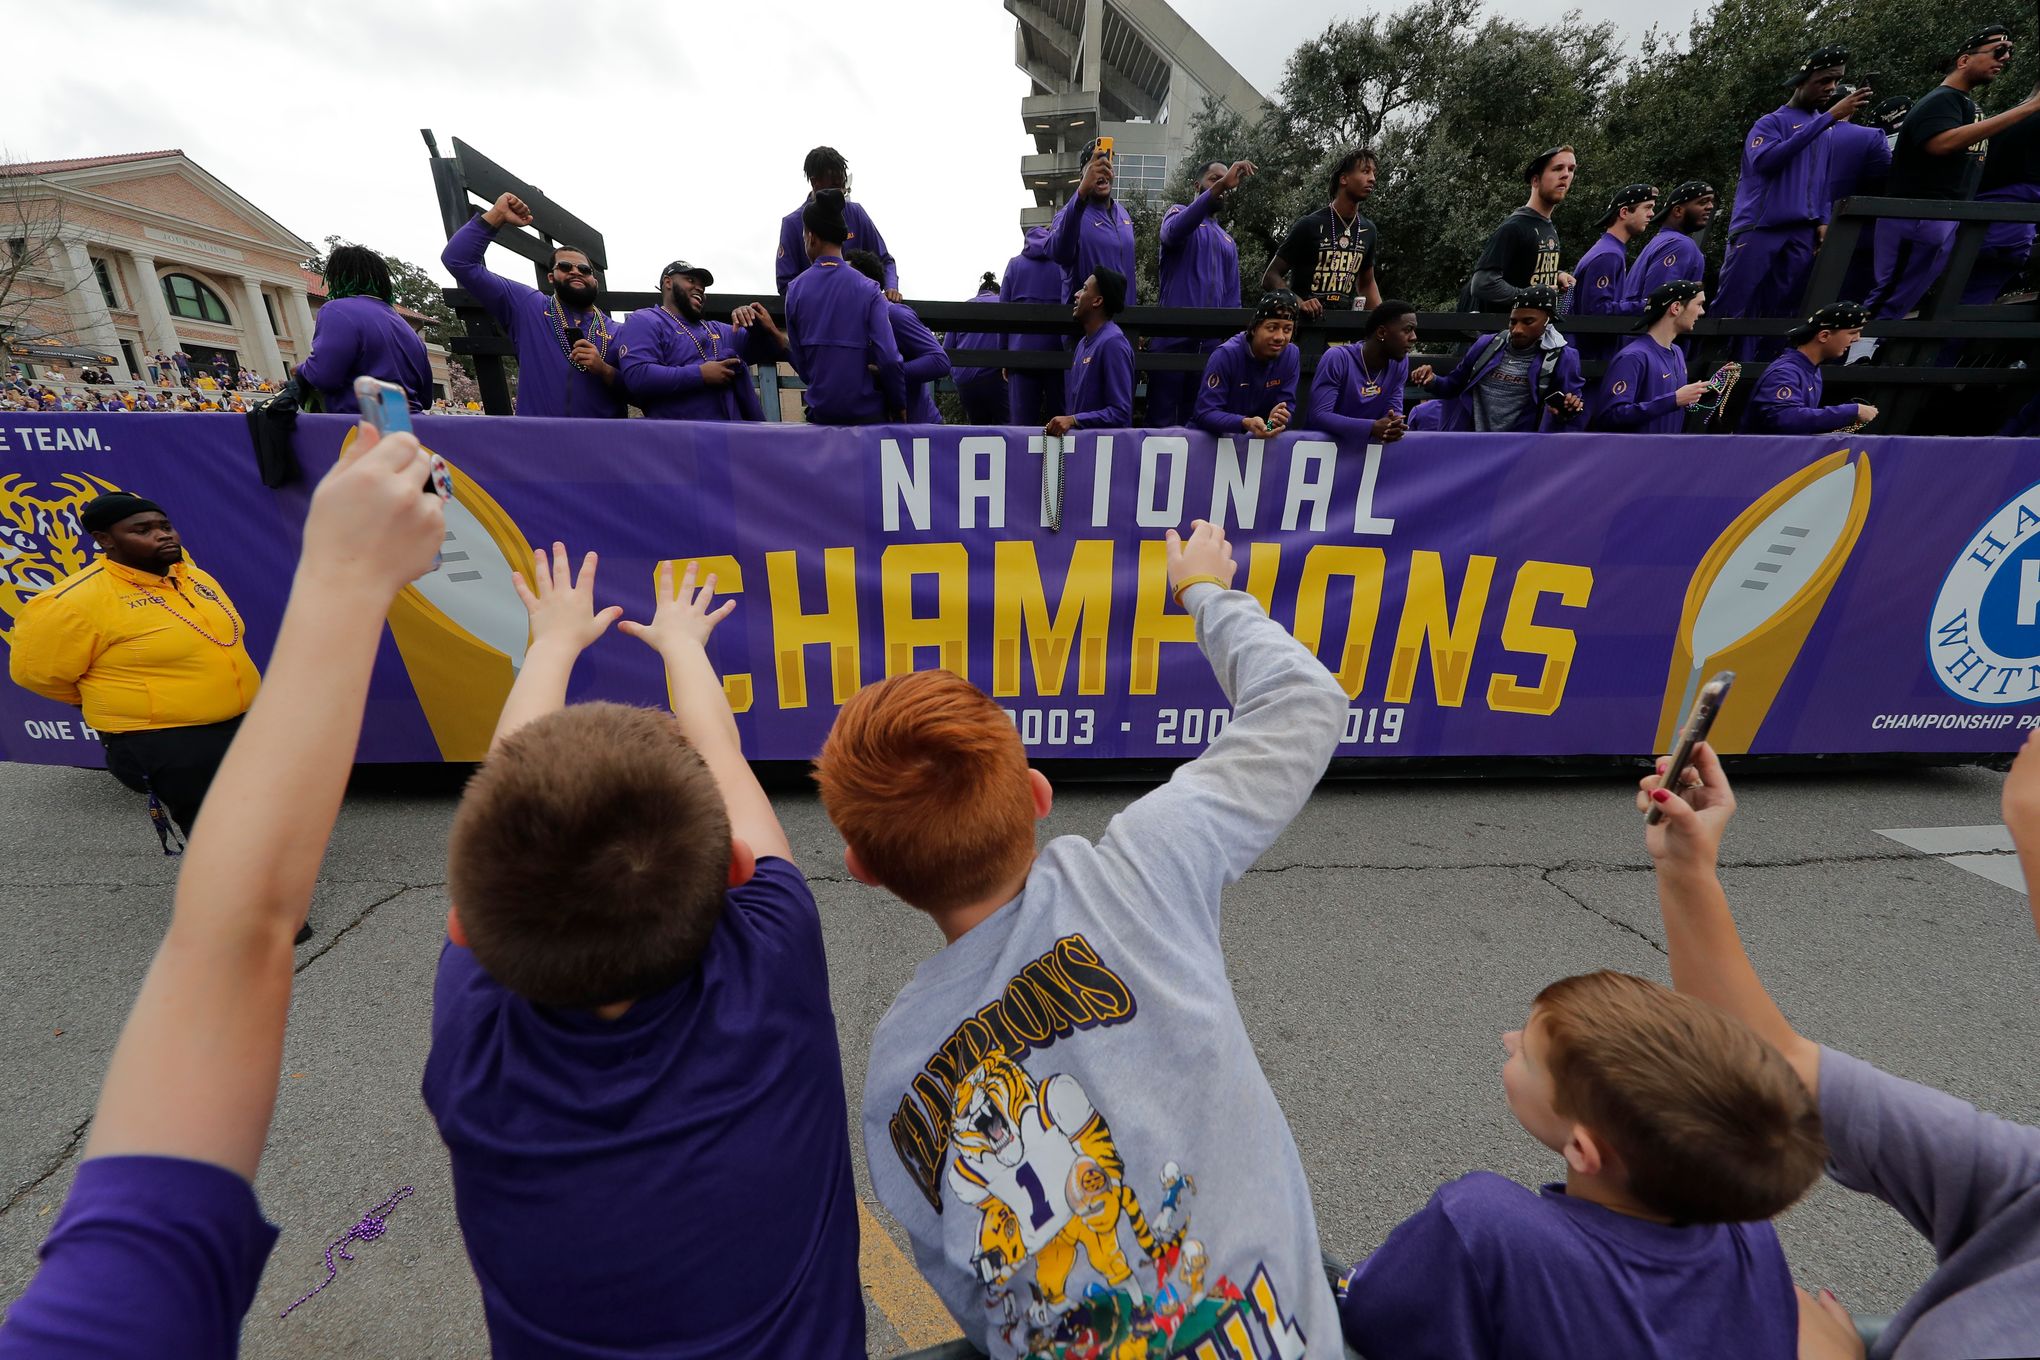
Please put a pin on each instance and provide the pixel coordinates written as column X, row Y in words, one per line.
column 1758, row 591
column 461, row 630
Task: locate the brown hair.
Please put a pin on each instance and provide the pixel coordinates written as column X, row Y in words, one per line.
column 589, row 857
column 1710, row 1122
column 926, row 780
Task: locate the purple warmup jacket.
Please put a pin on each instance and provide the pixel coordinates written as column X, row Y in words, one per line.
column 662, row 359
column 864, row 235
column 1858, row 159
column 838, row 323
column 1638, row 392
column 1667, row 256
column 1785, row 169
column 1237, row 385
column 1601, row 273
column 1346, row 400
column 1034, row 276
column 1787, row 400
column 978, row 340
column 1086, row 234
column 547, row 385
column 1099, row 388
column 364, row 337
column 1200, row 265
column 924, row 362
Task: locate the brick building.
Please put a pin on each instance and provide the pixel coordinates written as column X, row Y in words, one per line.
column 152, row 253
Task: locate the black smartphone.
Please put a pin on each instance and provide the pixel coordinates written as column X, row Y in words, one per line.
column 1706, row 708
column 1872, row 81
column 574, row 336
column 1556, row 401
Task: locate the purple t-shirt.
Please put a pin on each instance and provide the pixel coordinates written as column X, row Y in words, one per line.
column 152, row 1256
column 1488, row 1268
column 1969, row 1182
column 674, row 1182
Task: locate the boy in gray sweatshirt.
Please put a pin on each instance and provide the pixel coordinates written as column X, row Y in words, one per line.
column 1063, row 1107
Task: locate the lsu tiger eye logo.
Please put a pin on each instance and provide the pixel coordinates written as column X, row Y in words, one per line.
column 41, row 538
column 1619, row 388
column 1983, row 637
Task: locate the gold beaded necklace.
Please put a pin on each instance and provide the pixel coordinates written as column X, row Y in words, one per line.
column 207, row 593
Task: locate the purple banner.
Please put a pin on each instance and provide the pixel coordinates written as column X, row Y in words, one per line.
column 1478, row 595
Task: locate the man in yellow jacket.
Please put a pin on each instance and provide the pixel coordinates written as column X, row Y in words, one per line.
column 150, row 648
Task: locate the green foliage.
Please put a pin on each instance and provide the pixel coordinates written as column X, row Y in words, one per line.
column 1455, row 102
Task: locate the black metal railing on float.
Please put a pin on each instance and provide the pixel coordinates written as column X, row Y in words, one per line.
column 1953, row 368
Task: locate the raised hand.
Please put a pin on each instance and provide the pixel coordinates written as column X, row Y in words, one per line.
column 1204, row 553
column 370, row 525
column 1850, row 104
column 683, row 618
column 1236, row 172
column 1694, row 815
column 508, row 208
column 562, row 609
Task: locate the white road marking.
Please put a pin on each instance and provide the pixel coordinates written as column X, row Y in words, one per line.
column 1980, row 850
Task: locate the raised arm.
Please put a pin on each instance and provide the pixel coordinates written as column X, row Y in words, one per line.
column 1707, row 956
column 194, row 1072
column 465, row 251
column 1965, row 135
column 564, row 623
column 1767, row 151
column 1219, row 812
column 679, row 633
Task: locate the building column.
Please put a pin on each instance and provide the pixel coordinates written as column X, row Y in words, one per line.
column 88, row 304
column 300, row 321
column 158, row 330
column 266, row 352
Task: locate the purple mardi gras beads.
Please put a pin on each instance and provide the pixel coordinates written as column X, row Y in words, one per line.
column 373, row 1225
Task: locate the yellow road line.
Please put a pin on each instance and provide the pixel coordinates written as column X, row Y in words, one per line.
column 905, row 1299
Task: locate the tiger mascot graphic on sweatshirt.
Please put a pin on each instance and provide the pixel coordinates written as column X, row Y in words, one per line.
column 1038, row 1162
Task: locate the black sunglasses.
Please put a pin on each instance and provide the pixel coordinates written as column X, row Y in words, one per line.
column 569, row 267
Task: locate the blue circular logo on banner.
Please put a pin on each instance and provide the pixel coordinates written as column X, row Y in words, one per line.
column 1983, row 637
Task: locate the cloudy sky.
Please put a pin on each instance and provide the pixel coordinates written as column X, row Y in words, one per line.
column 675, row 129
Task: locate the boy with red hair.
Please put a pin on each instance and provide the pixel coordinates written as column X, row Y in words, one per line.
column 1063, row 1107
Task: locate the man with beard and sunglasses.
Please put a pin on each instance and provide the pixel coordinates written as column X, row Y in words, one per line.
column 678, row 365
column 567, row 351
column 1940, row 155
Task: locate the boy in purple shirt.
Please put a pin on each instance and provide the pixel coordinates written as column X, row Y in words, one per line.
column 1199, row 267
column 678, row 365
column 566, row 345
column 922, row 358
column 839, row 330
column 1098, row 392
column 161, row 1243
column 827, row 171
column 1091, row 231
column 1356, row 395
column 1250, row 380
column 1673, row 253
column 1967, row 1181
column 1034, row 394
column 1683, row 1133
column 633, row 1062
column 359, row 333
column 1787, row 397
column 1645, row 390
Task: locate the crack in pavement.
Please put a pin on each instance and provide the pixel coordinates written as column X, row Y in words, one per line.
column 366, row 912
column 1584, row 906
column 56, row 1164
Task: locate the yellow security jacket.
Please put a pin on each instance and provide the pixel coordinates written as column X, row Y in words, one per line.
column 110, row 639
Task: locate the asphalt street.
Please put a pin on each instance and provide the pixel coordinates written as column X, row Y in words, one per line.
column 1378, row 950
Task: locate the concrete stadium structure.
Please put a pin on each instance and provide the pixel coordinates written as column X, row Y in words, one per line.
column 1133, row 70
